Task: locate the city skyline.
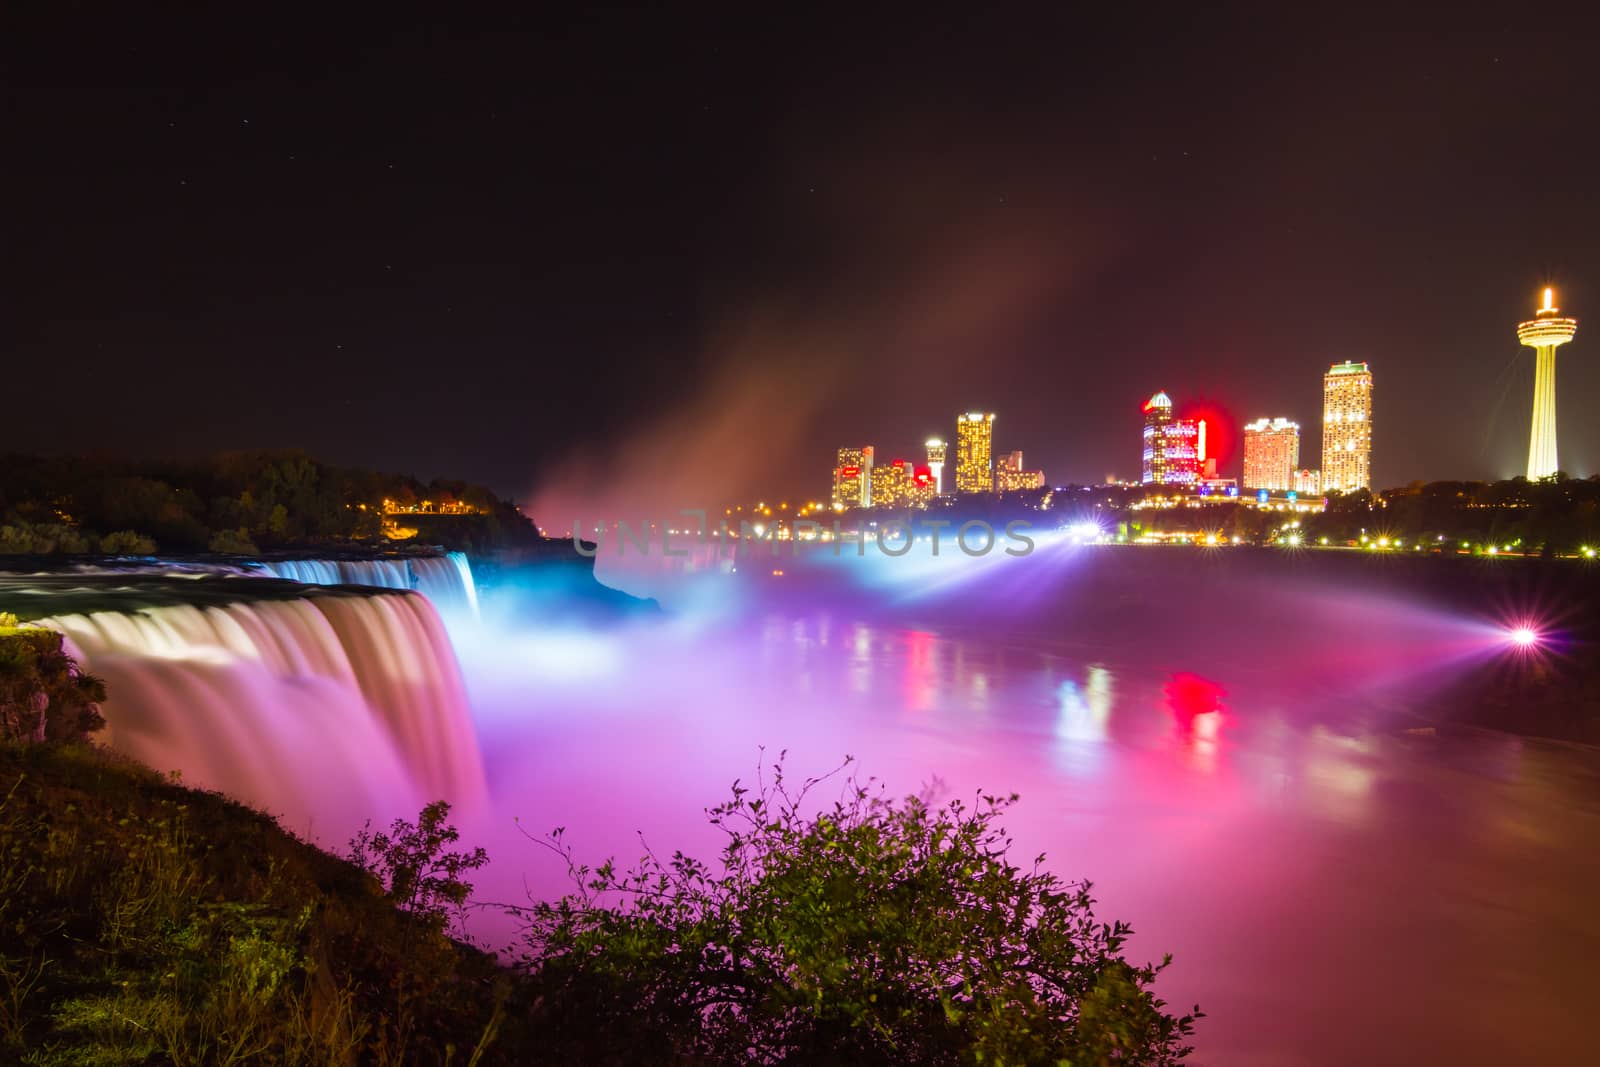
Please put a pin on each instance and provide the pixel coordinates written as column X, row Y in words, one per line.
column 1175, row 448
column 727, row 274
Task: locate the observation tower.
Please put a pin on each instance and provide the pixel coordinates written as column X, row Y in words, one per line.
column 1544, row 333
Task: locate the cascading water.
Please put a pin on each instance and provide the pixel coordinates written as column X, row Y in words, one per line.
column 380, row 573
column 319, row 708
column 446, row 580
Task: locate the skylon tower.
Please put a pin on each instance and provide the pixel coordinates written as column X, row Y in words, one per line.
column 1544, row 333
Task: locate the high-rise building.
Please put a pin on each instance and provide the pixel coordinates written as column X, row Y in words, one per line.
column 1347, row 428
column 936, row 452
column 1174, row 449
column 1010, row 477
column 974, row 452
column 1544, row 333
column 1271, row 454
column 1308, row 483
column 852, row 478
column 1157, row 416
column 892, row 485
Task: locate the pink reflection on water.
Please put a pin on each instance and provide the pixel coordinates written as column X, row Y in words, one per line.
column 1195, row 703
column 1333, row 887
column 1198, row 717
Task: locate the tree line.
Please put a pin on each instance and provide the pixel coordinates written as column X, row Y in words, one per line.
column 241, row 502
column 1551, row 516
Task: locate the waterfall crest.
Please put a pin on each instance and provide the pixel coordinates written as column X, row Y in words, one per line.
column 329, row 706
column 446, row 580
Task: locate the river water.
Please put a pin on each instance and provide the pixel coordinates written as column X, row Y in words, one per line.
column 1248, row 776
column 1256, row 757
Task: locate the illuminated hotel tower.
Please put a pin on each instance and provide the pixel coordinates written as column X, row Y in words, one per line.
column 852, row 478
column 1174, row 449
column 1546, row 332
column 1271, row 454
column 1347, row 428
column 974, row 456
column 936, row 450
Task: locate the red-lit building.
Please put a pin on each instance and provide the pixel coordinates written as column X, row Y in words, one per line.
column 852, row 478
column 1174, row 449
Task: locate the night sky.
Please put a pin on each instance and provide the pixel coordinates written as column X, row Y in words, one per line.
column 684, row 259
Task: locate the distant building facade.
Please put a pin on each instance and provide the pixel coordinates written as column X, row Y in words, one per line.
column 1173, row 448
column 891, row 485
column 1009, row 475
column 1308, row 483
column 852, row 478
column 936, row 453
column 975, row 452
column 1271, row 454
column 1347, row 428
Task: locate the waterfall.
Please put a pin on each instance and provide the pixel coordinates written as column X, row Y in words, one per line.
column 446, row 580
column 381, row 573
column 324, row 708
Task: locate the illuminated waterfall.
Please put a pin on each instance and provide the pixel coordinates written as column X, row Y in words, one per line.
column 381, row 573
column 446, row 580
column 325, row 708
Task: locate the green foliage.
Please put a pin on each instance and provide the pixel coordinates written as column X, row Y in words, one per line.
column 871, row 932
column 271, row 499
column 41, row 539
column 1558, row 514
column 19, row 537
column 233, row 542
column 144, row 923
column 127, row 543
column 416, row 867
column 423, row 876
column 43, row 694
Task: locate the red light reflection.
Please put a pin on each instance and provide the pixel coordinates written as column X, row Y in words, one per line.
column 1189, row 696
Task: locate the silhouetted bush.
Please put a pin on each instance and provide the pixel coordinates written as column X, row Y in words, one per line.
column 873, row 932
